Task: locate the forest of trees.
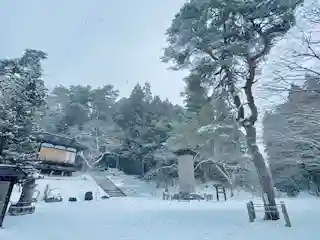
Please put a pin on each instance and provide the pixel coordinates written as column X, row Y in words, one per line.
column 131, row 128
column 138, row 133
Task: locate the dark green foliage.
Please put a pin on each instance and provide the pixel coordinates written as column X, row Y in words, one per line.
column 196, row 93
column 292, row 136
column 145, row 120
column 22, row 96
column 130, row 128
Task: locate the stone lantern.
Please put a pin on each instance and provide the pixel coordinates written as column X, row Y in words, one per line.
column 186, row 171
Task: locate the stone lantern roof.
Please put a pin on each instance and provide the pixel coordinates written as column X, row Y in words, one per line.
column 185, row 151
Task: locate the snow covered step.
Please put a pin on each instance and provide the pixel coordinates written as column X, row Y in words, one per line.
column 115, row 193
column 108, row 186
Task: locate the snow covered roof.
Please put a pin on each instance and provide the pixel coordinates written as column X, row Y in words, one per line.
column 11, row 172
column 59, row 140
column 185, row 151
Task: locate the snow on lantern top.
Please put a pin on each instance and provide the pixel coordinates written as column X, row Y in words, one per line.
column 185, row 151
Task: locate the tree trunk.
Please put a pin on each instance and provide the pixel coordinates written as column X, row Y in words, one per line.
column 266, row 182
column 231, row 191
column 159, row 178
column 265, row 178
column 117, row 163
column 27, row 192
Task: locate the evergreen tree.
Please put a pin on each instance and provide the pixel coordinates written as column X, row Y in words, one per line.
column 22, row 97
column 145, row 121
column 292, row 138
column 195, row 94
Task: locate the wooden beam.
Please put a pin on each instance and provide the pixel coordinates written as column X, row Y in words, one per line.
column 6, row 203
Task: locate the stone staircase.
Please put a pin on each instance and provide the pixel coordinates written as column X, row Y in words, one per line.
column 108, row 186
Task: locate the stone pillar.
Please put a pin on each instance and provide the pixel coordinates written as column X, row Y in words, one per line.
column 186, row 170
column 28, row 190
column 186, row 174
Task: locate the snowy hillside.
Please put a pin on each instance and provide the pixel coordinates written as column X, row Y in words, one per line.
column 131, row 185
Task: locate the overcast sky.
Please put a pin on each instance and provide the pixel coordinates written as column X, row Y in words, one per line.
column 94, row 42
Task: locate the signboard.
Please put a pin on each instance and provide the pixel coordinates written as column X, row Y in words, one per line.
column 56, row 155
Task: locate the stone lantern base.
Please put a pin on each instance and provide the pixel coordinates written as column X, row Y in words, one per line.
column 21, row 209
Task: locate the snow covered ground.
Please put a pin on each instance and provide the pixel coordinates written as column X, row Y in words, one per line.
column 144, row 219
column 67, row 187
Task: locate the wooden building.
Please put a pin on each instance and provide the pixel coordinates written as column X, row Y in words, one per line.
column 57, row 154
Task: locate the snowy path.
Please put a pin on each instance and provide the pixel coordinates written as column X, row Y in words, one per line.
column 108, row 186
column 145, row 219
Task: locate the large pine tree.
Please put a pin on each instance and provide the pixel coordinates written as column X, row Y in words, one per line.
column 223, row 42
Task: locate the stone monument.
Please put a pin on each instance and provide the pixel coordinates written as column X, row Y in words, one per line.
column 186, row 171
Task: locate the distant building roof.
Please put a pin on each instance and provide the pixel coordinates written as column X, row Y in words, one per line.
column 60, row 140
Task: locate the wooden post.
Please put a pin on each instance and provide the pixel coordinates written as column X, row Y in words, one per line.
column 46, row 192
column 224, row 193
column 220, row 188
column 97, row 195
column 6, row 202
column 251, row 211
column 217, row 193
column 285, row 214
